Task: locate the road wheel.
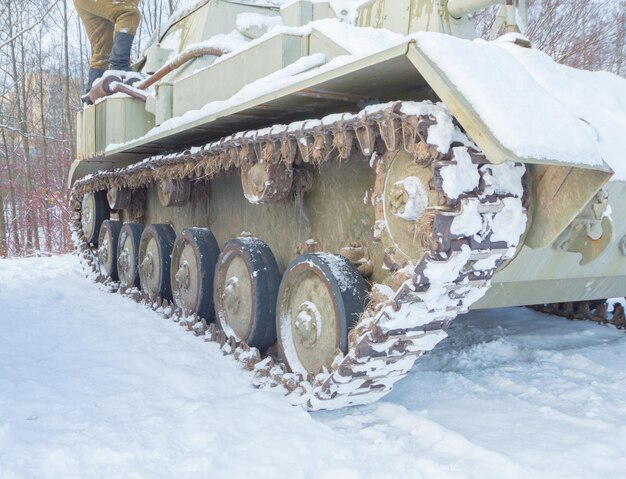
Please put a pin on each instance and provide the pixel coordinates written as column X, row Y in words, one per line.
column 246, row 285
column 128, row 254
column 94, row 210
column 107, row 247
column 320, row 299
column 193, row 268
column 155, row 256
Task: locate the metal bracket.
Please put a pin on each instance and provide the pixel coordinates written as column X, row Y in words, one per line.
column 590, row 232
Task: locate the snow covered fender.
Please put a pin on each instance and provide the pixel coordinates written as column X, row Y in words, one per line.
column 519, row 105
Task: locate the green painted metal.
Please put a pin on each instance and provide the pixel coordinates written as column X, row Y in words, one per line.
column 225, row 78
column 546, row 275
column 332, row 214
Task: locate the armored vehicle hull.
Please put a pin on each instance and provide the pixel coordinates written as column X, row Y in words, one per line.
column 323, row 197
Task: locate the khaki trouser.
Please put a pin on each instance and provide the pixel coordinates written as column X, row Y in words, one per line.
column 101, row 19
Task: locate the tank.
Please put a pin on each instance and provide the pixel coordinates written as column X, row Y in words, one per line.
column 322, row 187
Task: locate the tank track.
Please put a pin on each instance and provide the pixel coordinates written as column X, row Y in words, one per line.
column 596, row 311
column 399, row 325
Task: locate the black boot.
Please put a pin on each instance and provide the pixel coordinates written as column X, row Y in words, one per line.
column 94, row 74
column 120, row 54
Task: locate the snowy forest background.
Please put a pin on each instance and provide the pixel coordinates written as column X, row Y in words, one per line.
column 44, row 56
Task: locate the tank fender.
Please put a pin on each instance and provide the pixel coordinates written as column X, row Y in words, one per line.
column 82, row 168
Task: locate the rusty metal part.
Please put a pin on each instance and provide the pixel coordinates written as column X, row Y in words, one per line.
column 358, row 254
column 129, row 90
column 596, row 311
column 103, row 88
column 112, row 83
column 177, row 62
column 266, row 182
column 619, row 319
column 174, row 192
column 399, row 325
column 304, row 148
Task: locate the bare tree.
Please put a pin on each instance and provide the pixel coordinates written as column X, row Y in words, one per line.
column 19, row 84
column 66, row 57
column 4, row 250
column 586, row 34
column 12, row 195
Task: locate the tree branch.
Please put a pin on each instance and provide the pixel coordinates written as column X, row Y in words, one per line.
column 27, row 29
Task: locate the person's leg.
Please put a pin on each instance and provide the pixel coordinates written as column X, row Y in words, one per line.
column 100, row 33
column 124, row 14
column 126, row 17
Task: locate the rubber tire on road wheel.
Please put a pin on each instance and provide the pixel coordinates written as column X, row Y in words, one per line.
column 131, row 232
column 345, row 289
column 92, row 219
column 160, row 239
column 263, row 278
column 108, row 265
column 201, row 243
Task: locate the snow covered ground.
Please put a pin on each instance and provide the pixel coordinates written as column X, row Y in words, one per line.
column 94, row 385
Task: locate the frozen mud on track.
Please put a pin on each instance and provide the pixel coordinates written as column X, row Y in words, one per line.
column 94, row 385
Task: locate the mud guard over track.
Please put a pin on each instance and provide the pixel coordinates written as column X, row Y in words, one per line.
column 473, row 231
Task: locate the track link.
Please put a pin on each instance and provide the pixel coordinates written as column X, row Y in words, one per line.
column 596, row 311
column 466, row 244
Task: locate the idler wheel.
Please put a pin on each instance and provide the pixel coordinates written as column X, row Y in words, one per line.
column 107, row 247
column 246, row 285
column 194, row 257
column 119, row 198
column 128, row 254
column 155, row 256
column 320, row 298
column 94, row 209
